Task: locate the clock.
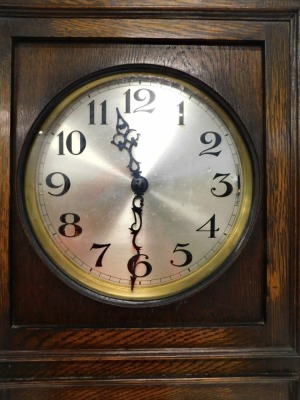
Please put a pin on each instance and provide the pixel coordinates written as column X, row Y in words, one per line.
column 138, row 185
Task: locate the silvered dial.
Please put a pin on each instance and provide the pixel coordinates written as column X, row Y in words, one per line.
column 138, row 187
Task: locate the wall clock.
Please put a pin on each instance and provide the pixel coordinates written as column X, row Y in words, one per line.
column 138, row 185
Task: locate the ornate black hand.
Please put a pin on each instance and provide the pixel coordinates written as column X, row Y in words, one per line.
column 125, row 140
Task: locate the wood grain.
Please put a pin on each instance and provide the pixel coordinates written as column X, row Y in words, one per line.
column 239, row 339
column 5, row 120
column 166, row 4
column 252, row 388
column 35, row 285
column 130, row 28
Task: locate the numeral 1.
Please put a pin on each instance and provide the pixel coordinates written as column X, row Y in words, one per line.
column 127, row 101
column 181, row 113
column 92, row 112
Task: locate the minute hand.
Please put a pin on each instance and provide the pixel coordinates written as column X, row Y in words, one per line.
column 139, row 185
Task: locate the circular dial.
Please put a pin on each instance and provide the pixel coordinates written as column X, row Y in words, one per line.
column 138, row 187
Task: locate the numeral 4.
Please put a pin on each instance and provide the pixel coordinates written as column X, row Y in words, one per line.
column 212, row 227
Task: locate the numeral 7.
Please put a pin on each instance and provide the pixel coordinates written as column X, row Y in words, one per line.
column 100, row 258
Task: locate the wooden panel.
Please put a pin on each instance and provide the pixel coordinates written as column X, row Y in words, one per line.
column 39, row 298
column 166, row 4
column 188, row 389
column 40, row 62
column 244, row 90
column 239, row 338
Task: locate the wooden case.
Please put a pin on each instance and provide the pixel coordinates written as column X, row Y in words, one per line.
column 239, row 337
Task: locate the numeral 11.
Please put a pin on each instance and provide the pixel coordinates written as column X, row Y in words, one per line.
column 92, row 112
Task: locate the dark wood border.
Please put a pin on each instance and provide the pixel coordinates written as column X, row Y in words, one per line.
column 277, row 27
column 264, row 388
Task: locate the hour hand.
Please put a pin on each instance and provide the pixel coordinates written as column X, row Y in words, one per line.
column 125, row 140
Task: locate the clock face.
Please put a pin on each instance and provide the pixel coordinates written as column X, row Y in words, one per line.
column 138, row 187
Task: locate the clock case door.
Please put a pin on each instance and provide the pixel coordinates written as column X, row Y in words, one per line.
column 243, row 325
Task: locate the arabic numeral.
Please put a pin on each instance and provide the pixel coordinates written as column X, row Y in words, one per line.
column 92, row 112
column 229, row 187
column 127, row 101
column 140, row 95
column 70, row 227
column 75, row 143
column 137, row 268
column 187, row 254
column 55, row 183
column 213, row 138
column 181, row 113
column 211, row 225
column 102, row 253
column 103, row 113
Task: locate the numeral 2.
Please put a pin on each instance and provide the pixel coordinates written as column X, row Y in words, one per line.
column 210, row 138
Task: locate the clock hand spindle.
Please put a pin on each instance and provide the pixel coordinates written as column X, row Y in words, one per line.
column 139, row 185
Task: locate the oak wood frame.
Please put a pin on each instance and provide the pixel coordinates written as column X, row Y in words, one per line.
column 271, row 347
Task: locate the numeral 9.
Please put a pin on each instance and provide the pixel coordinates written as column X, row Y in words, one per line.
column 66, row 184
